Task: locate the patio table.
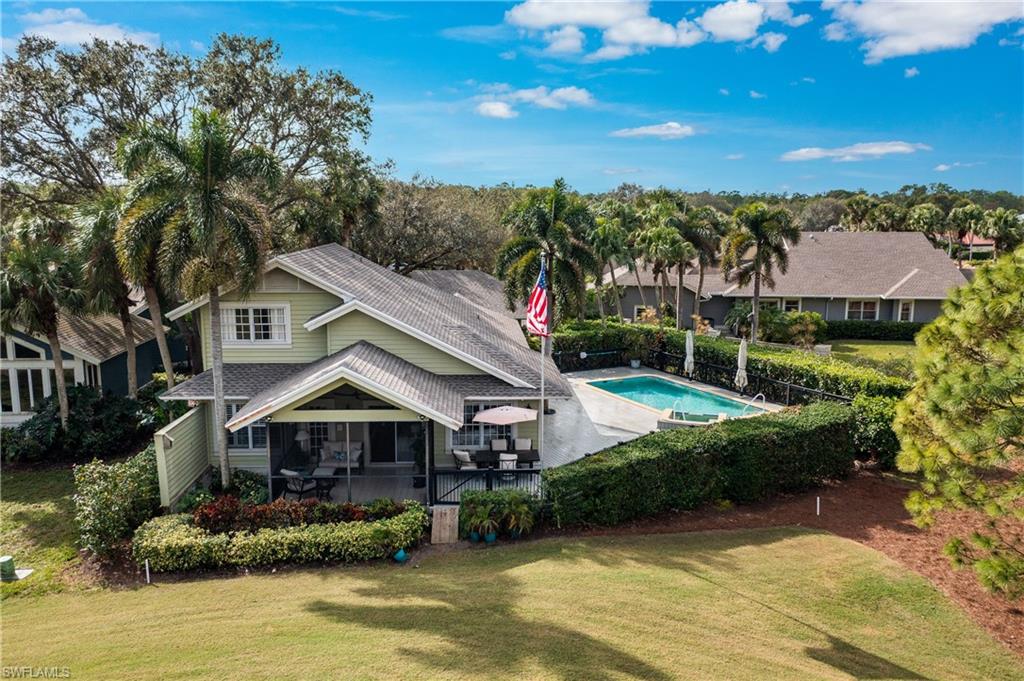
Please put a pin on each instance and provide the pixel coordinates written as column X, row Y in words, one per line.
column 490, row 459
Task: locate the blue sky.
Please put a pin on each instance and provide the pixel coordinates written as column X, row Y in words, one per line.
column 720, row 96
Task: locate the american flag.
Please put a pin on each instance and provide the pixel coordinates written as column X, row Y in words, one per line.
column 537, row 315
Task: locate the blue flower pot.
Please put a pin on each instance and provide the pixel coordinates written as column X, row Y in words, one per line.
column 401, row 556
column 491, row 537
column 474, row 536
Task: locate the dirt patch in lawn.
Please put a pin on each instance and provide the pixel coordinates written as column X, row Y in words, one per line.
column 867, row 508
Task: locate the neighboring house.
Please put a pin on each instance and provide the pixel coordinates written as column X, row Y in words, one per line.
column 367, row 380
column 93, row 352
column 475, row 286
column 871, row 276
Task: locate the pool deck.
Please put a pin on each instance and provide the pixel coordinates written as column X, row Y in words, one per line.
column 623, row 418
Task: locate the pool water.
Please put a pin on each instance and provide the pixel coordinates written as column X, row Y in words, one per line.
column 658, row 393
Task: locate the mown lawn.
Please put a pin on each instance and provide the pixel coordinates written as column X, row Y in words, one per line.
column 37, row 528
column 781, row 603
column 879, row 351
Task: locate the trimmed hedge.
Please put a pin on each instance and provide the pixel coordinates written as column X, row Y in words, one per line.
column 740, row 460
column 174, row 543
column 790, row 366
column 873, row 434
column 113, row 499
column 866, row 330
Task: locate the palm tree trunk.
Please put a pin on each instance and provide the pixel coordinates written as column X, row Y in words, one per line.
column 664, row 287
column 640, row 287
column 696, row 297
column 618, row 298
column 679, row 296
column 219, row 408
column 756, row 311
column 598, row 283
column 129, row 348
column 58, row 375
column 156, row 316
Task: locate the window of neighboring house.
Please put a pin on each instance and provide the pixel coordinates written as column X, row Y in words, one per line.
column 69, row 378
column 862, row 310
column 638, row 311
column 92, row 375
column 253, row 436
column 3, row 348
column 26, row 352
column 478, row 435
column 255, row 325
column 6, row 397
column 770, row 303
column 30, row 388
column 791, row 305
column 906, row 311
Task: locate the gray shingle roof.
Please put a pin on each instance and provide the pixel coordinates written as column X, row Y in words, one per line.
column 479, row 288
column 713, row 282
column 863, row 264
column 365, row 361
column 100, row 336
column 241, row 381
column 495, row 340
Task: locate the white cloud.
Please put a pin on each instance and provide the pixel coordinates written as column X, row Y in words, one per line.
column 895, row 29
column 666, row 131
column 781, row 11
column 733, row 157
column 197, row 45
column 943, row 167
column 734, row 20
column 911, row 72
column 855, row 152
column 646, row 31
column 507, row 55
column 481, row 33
column 808, row 79
column 770, row 41
column 566, row 40
column 72, row 26
column 494, row 109
column 611, row 53
column 754, row 94
column 544, row 14
column 620, row 171
column 836, row 32
column 723, row 91
column 375, row 15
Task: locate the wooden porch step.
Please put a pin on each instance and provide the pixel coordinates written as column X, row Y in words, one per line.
column 444, row 528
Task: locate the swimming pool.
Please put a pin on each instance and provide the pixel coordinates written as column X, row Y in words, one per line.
column 659, row 393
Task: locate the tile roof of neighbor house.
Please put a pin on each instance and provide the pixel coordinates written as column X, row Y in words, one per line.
column 864, row 265
column 494, row 340
column 479, row 288
column 101, row 337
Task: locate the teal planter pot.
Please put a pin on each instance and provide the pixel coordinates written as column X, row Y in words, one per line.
column 401, row 556
column 491, row 537
column 474, row 536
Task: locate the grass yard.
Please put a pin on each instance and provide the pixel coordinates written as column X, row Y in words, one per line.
column 37, row 527
column 877, row 351
column 750, row 604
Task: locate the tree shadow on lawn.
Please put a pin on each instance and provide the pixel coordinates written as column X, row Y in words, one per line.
column 487, row 633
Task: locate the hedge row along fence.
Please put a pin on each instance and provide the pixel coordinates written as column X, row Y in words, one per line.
column 605, row 345
column 882, row 330
column 740, row 460
column 175, row 543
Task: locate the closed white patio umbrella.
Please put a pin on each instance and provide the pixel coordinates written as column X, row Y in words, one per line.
column 741, row 366
column 688, row 364
column 505, row 416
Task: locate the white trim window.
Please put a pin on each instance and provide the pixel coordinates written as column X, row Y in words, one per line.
column 862, row 310
column 478, row 435
column 251, row 437
column 638, row 311
column 256, row 324
column 792, row 304
column 905, row 311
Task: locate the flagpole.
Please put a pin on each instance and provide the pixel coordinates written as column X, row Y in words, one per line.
column 540, row 426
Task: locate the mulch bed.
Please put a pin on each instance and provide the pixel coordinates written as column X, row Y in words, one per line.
column 867, row 508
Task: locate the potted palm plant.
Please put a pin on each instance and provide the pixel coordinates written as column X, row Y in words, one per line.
column 635, row 348
column 485, row 522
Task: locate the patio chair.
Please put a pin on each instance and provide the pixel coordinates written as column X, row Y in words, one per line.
column 507, row 462
column 522, row 444
column 500, row 445
column 463, row 459
column 298, row 484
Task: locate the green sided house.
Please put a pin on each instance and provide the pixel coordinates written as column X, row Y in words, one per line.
column 346, row 380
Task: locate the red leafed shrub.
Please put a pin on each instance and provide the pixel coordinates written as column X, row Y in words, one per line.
column 219, row 515
column 227, row 514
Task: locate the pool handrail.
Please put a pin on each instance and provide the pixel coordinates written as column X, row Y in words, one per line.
column 750, row 403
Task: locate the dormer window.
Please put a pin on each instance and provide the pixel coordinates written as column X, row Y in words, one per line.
column 256, row 324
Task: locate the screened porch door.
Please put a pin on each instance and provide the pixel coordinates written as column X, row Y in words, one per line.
column 395, row 443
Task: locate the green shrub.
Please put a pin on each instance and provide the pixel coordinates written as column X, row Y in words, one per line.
column 740, row 460
column 873, row 433
column 868, row 330
column 174, row 543
column 512, row 511
column 99, row 427
column 250, row 487
column 111, row 500
column 193, row 499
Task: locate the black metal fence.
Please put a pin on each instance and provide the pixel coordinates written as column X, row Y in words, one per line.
column 448, row 484
column 584, row 361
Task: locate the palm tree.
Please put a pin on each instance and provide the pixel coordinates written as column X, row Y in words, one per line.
column 767, row 231
column 554, row 223
column 659, row 246
column 608, row 241
column 38, row 283
column 704, row 227
column 963, row 220
column 199, row 192
column 1006, row 229
column 103, row 281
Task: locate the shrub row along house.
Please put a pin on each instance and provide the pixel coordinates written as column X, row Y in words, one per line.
column 870, row 276
column 366, row 380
